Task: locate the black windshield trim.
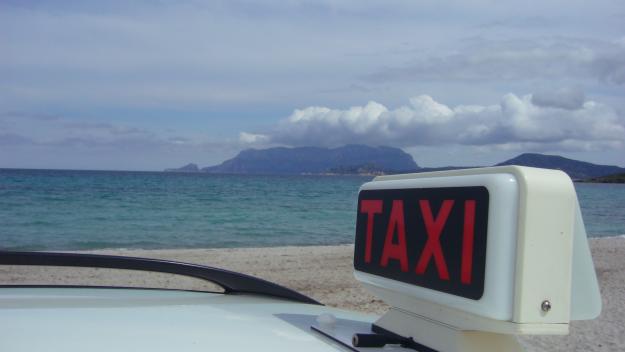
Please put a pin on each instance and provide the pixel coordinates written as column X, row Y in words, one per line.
column 108, row 288
column 230, row 281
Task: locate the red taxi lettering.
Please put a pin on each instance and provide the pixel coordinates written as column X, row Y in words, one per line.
column 428, row 237
column 467, row 242
column 391, row 250
column 370, row 207
column 433, row 228
column 395, row 246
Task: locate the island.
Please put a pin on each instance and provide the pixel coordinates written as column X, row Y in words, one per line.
column 355, row 159
column 348, row 159
column 191, row 167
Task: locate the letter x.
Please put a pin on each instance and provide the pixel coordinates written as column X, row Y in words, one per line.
column 432, row 248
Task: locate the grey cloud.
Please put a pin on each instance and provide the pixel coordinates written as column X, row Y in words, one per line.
column 517, row 60
column 179, row 140
column 73, row 142
column 610, row 66
column 566, row 98
column 199, row 54
column 104, row 127
column 11, row 139
column 123, row 144
column 29, row 116
column 520, row 22
column 59, row 131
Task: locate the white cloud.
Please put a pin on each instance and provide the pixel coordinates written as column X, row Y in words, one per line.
column 559, row 121
column 251, row 138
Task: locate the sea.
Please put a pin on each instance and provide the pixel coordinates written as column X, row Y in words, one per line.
column 89, row 210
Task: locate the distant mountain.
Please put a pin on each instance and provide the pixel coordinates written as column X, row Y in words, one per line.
column 187, row 168
column 576, row 169
column 366, row 160
column 313, row 160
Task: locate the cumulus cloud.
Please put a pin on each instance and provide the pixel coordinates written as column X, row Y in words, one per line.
column 561, row 120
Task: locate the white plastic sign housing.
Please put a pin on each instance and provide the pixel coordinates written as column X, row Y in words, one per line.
column 492, row 249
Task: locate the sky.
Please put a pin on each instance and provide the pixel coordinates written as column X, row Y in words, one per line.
column 148, row 85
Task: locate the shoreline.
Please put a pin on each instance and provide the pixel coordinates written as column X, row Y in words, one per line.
column 165, row 249
column 325, row 273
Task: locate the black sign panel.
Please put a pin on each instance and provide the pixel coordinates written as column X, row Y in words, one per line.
column 429, row 237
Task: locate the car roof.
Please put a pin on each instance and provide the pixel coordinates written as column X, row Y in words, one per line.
column 110, row 319
column 250, row 314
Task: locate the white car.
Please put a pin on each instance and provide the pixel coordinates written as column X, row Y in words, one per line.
column 250, row 315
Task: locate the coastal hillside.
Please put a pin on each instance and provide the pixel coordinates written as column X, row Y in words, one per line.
column 315, row 160
column 365, row 160
column 576, row 169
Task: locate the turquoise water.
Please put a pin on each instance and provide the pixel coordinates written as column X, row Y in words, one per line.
column 77, row 210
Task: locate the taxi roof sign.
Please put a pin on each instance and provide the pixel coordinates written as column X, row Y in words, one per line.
column 448, row 255
column 499, row 249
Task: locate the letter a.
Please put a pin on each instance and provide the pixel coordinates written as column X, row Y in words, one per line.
column 391, row 250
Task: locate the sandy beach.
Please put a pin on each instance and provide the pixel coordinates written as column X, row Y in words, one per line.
column 325, row 273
